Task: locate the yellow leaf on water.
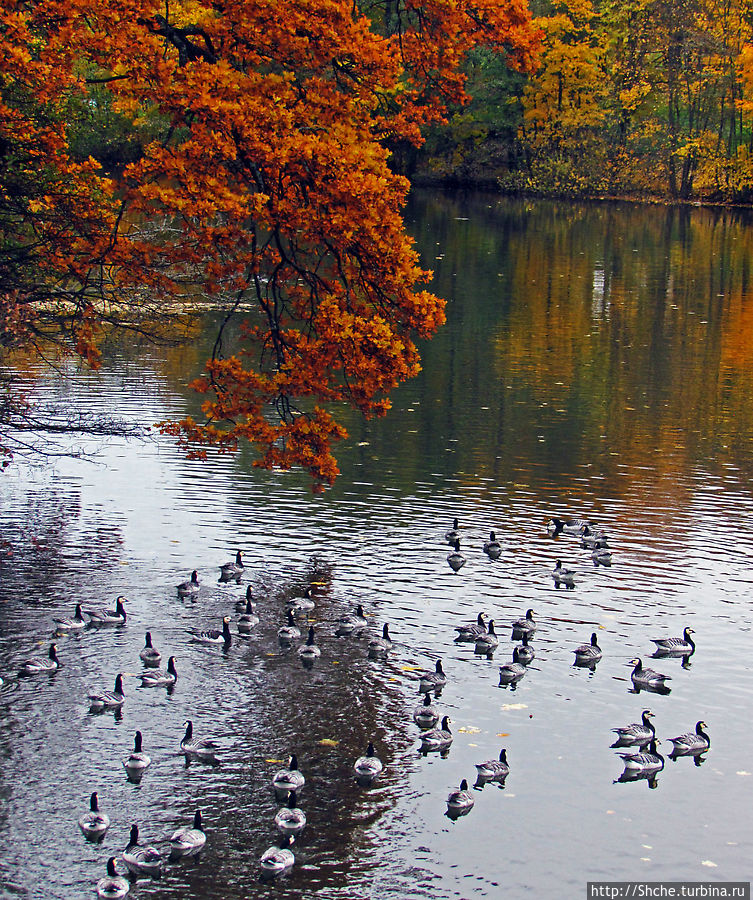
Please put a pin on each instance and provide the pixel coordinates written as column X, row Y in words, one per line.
column 410, row 668
column 328, row 742
column 277, row 762
column 503, row 734
column 469, row 729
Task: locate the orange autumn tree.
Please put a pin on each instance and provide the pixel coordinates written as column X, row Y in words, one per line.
column 273, row 190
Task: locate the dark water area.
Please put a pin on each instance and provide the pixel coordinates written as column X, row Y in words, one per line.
column 597, row 362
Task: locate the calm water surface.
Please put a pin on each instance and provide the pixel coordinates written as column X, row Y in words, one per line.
column 597, row 361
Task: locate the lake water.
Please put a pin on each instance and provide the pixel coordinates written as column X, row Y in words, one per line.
column 597, row 362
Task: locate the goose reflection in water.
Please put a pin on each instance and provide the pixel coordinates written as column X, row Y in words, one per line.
column 649, row 777
column 644, row 764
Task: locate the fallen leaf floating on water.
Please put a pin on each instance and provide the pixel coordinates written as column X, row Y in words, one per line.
column 469, row 729
column 502, row 734
column 328, row 742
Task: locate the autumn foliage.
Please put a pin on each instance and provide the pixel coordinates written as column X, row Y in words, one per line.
column 269, row 190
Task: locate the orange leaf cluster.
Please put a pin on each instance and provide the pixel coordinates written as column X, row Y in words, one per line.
column 272, row 186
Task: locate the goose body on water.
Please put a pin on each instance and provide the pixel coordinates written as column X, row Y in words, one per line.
column 601, row 556
column 640, row 733
column 488, row 642
column 645, row 760
column 556, row 526
column 460, row 801
column 189, row 840
column 248, row 619
column 290, row 631
column 692, row 742
column 643, row 677
column 494, row 769
column 526, row 625
column 468, row 633
column 289, row 779
column 137, row 762
column 492, row 547
column 291, row 819
column 141, row 860
column 588, row 654
column 381, row 646
column 74, row 623
column 40, row 664
column 526, row 653
column 234, row 569
column 437, row 738
column 592, row 540
column 432, row 681
column 352, row 623
column 309, row 651
column 368, row 766
column 94, row 824
column 191, row 587
column 510, row 673
column 424, row 715
column 455, row 558
column 117, row 616
column 113, row 699
column 240, row 605
column 561, row 575
column 112, row 886
column 214, row 636
column 203, row 749
column 277, row 859
column 453, row 533
column 304, row 604
column 150, row 656
column 675, row 646
column 160, row 677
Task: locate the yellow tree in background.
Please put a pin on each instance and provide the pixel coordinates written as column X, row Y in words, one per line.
column 563, row 103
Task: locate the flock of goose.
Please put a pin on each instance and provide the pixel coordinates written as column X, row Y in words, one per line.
column 643, row 761
column 189, row 840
